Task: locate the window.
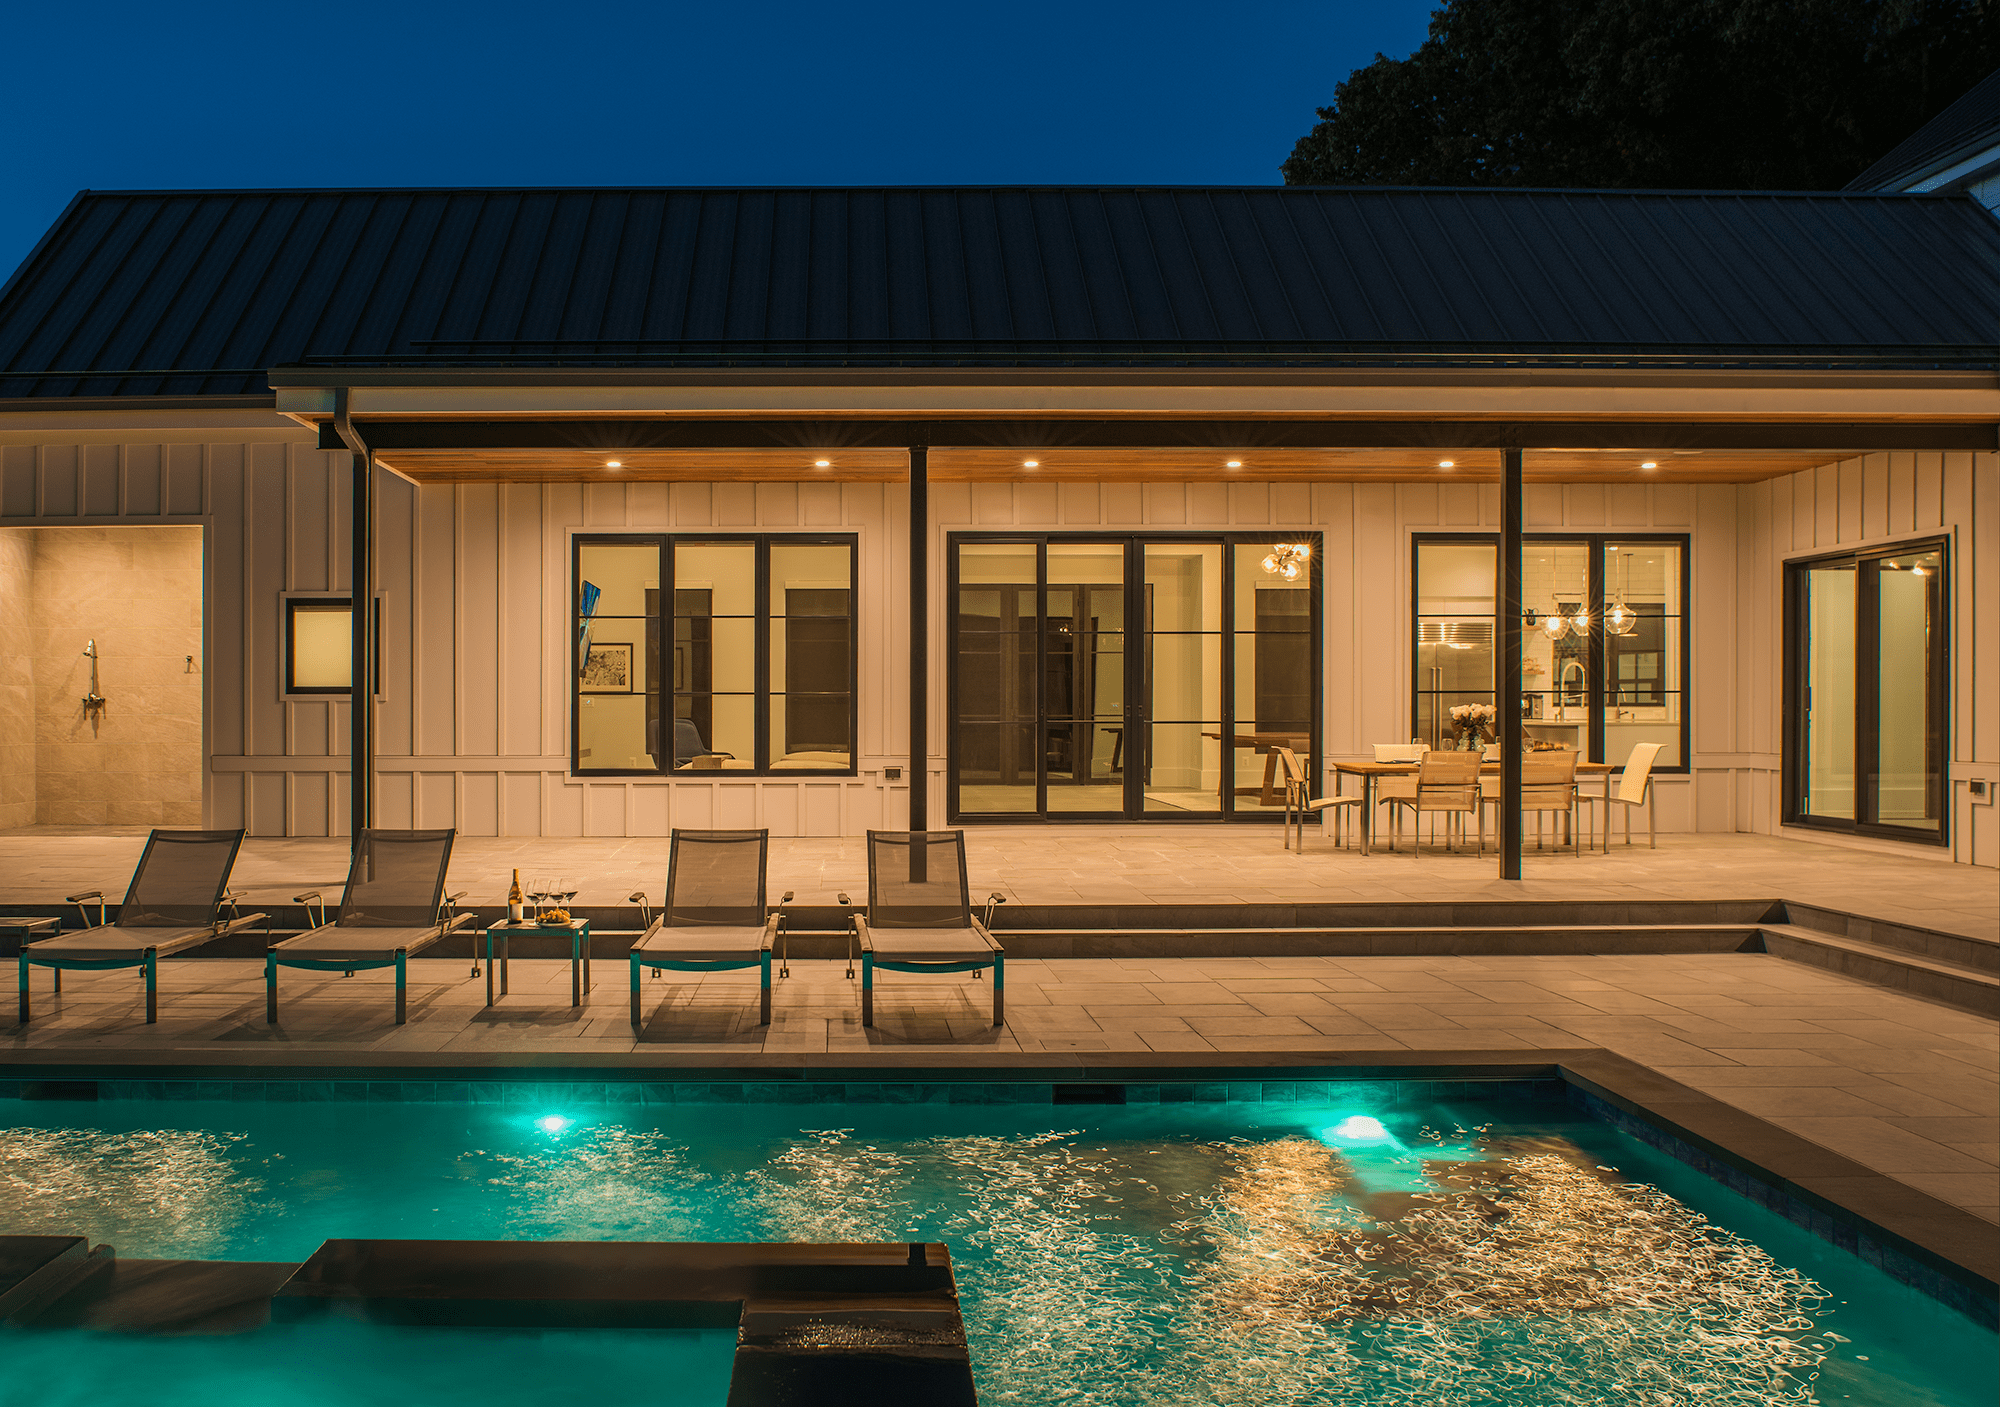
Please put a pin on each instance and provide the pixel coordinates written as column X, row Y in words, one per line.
column 746, row 664
column 319, row 645
column 1867, row 675
column 1604, row 650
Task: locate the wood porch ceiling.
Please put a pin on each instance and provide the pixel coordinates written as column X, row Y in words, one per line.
column 1180, row 464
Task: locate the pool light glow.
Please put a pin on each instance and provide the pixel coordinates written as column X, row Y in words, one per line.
column 552, row 1123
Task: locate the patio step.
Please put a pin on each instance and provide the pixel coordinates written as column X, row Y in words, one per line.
column 1957, row 949
column 1953, row 984
column 1376, row 941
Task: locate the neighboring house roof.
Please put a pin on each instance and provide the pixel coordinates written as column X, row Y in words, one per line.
column 198, row 292
column 1965, row 129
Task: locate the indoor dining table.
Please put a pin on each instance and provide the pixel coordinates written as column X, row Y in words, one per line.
column 1371, row 772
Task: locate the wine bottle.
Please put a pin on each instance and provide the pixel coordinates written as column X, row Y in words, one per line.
column 514, row 898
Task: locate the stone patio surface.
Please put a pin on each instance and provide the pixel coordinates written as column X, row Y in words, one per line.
column 1159, row 864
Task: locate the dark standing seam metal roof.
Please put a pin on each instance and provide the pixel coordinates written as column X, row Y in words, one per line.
column 1965, row 128
column 200, row 292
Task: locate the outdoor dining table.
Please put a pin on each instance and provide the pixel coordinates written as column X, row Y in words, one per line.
column 1371, row 772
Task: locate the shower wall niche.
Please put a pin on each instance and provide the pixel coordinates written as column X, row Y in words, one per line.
column 137, row 593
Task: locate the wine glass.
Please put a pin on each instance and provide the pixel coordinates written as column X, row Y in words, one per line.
column 538, row 890
column 566, row 888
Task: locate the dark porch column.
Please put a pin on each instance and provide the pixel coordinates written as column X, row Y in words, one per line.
column 1507, row 664
column 361, row 616
column 920, row 639
column 361, row 707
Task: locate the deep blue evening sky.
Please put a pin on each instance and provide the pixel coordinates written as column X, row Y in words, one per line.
column 115, row 96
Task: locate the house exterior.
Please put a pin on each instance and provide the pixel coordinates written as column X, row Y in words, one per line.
column 691, row 507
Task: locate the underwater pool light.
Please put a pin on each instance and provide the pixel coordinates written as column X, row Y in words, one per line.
column 1357, row 1128
column 552, row 1123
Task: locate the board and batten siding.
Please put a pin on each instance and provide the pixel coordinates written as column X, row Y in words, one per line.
column 473, row 728
column 1875, row 499
column 1369, row 555
column 474, row 714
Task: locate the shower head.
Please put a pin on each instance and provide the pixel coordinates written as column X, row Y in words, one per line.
column 90, row 649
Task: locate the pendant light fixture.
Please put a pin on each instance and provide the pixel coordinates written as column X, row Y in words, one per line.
column 1619, row 617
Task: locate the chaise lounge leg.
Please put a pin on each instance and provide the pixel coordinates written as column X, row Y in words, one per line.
column 635, row 991
column 271, row 989
column 152, row 986
column 402, row 980
column 1000, row 988
column 24, row 988
column 868, row 989
column 764, row 997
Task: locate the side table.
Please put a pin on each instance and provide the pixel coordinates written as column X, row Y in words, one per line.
column 578, row 934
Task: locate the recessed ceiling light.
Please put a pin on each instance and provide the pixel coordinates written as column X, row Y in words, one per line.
column 1444, row 464
column 614, row 464
column 1235, row 464
column 822, row 463
column 1649, row 464
column 1031, row 464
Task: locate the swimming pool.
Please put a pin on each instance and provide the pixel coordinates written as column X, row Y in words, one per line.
column 1480, row 1252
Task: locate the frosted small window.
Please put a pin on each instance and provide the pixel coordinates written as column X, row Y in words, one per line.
column 319, row 645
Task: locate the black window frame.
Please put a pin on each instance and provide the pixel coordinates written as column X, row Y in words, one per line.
column 762, row 542
column 1134, row 541
column 288, row 665
column 1594, row 682
column 1867, row 676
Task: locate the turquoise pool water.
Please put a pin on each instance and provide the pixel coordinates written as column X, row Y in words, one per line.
column 1185, row 1253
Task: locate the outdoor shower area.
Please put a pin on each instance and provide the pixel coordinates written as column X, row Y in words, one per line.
column 101, row 676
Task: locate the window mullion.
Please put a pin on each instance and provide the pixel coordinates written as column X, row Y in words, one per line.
column 761, row 650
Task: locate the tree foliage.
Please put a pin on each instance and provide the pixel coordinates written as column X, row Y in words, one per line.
column 1678, row 94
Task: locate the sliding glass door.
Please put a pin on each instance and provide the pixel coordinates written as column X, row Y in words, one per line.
column 1867, row 692
column 1129, row 677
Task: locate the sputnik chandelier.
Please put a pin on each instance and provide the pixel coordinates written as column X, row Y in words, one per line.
column 1288, row 559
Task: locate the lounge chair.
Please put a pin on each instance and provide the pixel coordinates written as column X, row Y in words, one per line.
column 713, row 918
column 174, row 903
column 919, row 915
column 394, row 905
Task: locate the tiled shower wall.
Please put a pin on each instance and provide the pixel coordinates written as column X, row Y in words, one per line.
column 17, row 681
column 136, row 591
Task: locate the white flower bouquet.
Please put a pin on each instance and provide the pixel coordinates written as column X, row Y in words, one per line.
column 1473, row 720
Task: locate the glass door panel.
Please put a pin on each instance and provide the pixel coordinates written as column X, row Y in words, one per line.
column 1182, row 623
column 1272, row 683
column 1827, row 783
column 1084, row 678
column 1557, row 626
column 1905, row 764
column 1454, row 632
column 995, row 677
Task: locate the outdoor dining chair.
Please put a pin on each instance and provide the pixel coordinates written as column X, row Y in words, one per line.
column 1448, row 783
column 1548, row 785
column 1635, row 789
column 1300, row 801
column 394, row 905
column 919, row 915
column 174, row 903
column 713, row 918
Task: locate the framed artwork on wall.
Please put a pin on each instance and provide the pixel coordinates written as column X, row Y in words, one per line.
column 607, row 669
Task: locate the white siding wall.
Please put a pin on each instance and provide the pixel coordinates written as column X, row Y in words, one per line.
column 474, row 723
column 1369, row 530
column 1856, row 502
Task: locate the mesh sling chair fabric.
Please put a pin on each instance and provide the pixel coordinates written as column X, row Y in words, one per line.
column 393, row 906
column 919, row 915
column 714, row 918
column 172, row 904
